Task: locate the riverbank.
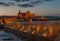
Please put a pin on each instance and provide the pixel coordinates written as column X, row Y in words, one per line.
column 4, row 36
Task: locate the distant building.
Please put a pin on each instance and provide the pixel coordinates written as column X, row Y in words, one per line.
column 26, row 15
column 21, row 16
column 43, row 18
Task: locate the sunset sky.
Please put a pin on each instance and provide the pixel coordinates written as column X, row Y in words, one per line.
column 39, row 7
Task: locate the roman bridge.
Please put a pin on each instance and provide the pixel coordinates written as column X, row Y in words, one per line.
column 33, row 30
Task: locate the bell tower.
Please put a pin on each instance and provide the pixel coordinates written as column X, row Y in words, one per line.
column 19, row 13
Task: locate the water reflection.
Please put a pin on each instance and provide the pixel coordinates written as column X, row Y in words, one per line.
column 49, row 29
column 8, row 36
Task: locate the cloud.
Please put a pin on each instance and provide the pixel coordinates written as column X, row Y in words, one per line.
column 22, row 3
column 11, row 3
column 5, row 4
column 30, row 0
column 39, row 2
column 36, row 2
column 21, row 0
column 26, row 5
column 48, row 0
column 31, row 3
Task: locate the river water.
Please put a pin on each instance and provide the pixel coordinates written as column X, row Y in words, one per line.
column 10, row 37
column 4, row 36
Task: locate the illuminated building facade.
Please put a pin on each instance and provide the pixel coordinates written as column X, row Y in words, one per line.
column 25, row 16
column 21, row 16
